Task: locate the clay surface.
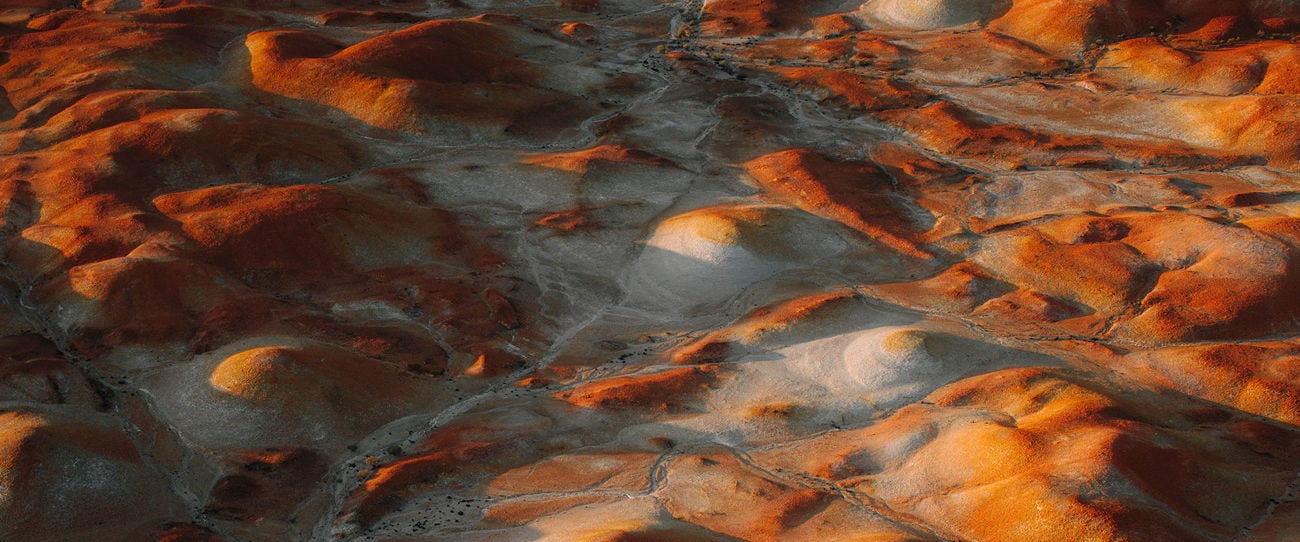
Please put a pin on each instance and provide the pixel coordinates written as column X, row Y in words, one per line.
column 642, row 270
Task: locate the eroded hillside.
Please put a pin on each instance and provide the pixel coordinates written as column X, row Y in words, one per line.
column 632, row 270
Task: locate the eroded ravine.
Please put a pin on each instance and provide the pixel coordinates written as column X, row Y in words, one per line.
column 625, row 269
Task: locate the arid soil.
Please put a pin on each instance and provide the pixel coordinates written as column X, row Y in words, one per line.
column 643, row 270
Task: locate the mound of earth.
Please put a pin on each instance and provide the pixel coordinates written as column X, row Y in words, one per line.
column 634, row 270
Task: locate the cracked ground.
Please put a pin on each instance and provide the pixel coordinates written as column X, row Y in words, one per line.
column 640, row 270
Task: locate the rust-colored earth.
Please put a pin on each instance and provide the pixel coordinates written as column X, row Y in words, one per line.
column 649, row 270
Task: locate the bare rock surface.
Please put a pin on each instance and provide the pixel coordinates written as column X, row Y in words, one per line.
column 633, row 270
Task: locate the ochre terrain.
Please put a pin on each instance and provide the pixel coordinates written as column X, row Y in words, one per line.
column 643, row 270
